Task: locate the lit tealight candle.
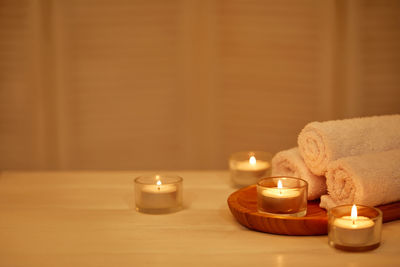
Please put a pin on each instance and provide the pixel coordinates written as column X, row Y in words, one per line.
column 288, row 200
column 252, row 165
column 353, row 229
column 248, row 167
column 349, row 231
column 280, row 192
column 159, row 194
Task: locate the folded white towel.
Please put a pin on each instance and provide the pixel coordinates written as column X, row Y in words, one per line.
column 290, row 163
column 369, row 179
column 323, row 142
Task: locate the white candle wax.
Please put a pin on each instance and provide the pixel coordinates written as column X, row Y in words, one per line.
column 280, row 192
column 353, row 232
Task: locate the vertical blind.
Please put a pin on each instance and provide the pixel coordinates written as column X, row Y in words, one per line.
column 180, row 84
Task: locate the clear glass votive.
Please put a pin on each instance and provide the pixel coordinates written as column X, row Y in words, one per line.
column 354, row 231
column 158, row 194
column 247, row 168
column 283, row 196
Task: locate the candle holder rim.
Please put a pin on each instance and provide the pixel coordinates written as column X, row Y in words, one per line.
column 239, row 153
column 282, row 176
column 380, row 214
column 178, row 179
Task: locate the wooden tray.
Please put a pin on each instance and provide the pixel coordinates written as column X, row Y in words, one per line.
column 243, row 205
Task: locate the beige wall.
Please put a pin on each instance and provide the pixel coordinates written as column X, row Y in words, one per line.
column 158, row 84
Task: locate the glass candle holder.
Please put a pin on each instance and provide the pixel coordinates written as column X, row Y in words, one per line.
column 247, row 168
column 354, row 227
column 283, row 196
column 158, row 194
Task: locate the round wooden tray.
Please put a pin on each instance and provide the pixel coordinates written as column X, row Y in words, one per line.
column 243, row 205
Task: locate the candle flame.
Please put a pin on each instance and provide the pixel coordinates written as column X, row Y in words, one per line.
column 158, row 184
column 280, row 187
column 252, row 160
column 354, row 213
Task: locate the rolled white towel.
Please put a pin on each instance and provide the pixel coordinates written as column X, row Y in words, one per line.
column 323, row 142
column 369, row 179
column 290, row 163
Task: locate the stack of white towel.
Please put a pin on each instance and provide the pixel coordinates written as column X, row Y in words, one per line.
column 353, row 160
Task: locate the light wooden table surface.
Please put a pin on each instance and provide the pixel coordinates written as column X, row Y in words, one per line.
column 88, row 219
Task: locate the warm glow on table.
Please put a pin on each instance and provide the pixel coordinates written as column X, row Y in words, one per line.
column 87, row 219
